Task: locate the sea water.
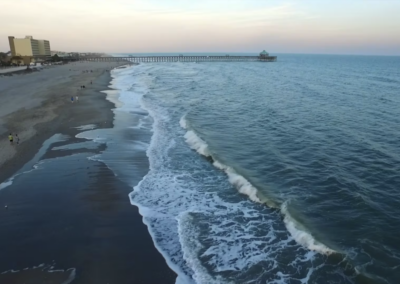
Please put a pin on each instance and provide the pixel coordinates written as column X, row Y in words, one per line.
column 284, row 172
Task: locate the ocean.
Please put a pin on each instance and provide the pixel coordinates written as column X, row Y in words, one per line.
column 284, row 172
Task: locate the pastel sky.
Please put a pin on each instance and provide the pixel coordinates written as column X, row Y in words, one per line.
column 293, row 26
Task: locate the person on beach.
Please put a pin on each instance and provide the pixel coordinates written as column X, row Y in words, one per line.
column 11, row 138
column 76, row 98
column 72, row 99
column 17, row 138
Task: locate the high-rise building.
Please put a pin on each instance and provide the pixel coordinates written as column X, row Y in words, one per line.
column 44, row 47
column 29, row 46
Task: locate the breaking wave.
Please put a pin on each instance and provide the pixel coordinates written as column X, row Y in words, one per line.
column 296, row 230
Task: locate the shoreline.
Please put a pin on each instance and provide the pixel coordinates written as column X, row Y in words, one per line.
column 92, row 108
column 50, row 114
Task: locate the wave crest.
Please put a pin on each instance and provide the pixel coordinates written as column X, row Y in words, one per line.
column 299, row 234
column 242, row 184
column 183, row 122
column 196, row 143
column 201, row 147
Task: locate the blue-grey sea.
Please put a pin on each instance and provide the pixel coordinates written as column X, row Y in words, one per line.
column 280, row 173
column 284, row 172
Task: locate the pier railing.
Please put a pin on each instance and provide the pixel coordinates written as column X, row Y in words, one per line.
column 185, row 58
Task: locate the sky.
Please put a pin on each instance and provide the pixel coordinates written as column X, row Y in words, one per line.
column 365, row 27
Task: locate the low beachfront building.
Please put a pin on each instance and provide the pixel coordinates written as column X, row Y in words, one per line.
column 60, row 53
column 29, row 46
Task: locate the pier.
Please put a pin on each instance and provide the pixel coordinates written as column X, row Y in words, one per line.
column 182, row 58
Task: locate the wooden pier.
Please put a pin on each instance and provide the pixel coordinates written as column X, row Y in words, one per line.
column 182, row 58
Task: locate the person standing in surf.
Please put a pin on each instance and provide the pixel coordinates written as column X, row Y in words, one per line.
column 72, row 99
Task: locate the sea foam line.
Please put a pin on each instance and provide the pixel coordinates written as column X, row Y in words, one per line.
column 47, row 269
column 300, row 235
column 130, row 99
column 169, row 199
column 198, row 144
column 182, row 277
column 10, row 180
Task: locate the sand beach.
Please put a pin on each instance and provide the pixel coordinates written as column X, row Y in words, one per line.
column 71, row 222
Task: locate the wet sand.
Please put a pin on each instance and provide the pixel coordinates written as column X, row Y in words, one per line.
column 70, row 220
column 38, row 104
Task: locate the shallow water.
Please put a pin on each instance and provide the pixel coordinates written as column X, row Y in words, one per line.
column 66, row 218
column 297, row 177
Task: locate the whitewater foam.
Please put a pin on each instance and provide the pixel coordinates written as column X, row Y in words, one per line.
column 300, row 235
column 166, row 198
column 85, row 127
column 6, row 183
column 196, row 143
column 206, row 233
column 201, row 147
column 10, row 181
column 242, row 184
column 183, row 122
column 191, row 247
column 47, row 269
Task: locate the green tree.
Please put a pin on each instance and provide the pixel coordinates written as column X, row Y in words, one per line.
column 3, row 59
column 17, row 58
column 55, row 58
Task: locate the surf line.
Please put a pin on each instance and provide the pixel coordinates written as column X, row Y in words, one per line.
column 298, row 232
